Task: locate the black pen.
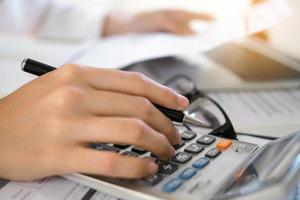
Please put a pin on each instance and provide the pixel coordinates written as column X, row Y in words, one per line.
column 38, row 68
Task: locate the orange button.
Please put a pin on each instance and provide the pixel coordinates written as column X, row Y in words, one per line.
column 224, row 144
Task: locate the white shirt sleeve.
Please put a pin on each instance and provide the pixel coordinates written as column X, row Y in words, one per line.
column 53, row 19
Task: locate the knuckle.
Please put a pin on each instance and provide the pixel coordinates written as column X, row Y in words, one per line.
column 71, row 72
column 142, row 82
column 109, row 163
column 163, row 145
column 68, row 96
column 137, row 130
column 163, row 139
column 138, row 76
column 146, row 107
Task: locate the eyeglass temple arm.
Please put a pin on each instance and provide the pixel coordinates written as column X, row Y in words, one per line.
column 226, row 130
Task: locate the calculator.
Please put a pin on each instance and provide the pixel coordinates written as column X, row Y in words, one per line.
column 201, row 165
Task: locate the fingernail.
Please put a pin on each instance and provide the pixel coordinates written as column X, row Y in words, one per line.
column 152, row 167
column 171, row 151
column 183, row 101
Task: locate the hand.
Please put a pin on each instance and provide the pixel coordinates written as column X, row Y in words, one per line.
column 46, row 126
column 171, row 21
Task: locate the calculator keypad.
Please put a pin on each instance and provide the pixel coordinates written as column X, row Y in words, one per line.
column 167, row 168
column 201, row 163
column 178, row 146
column 194, row 148
column 188, row 135
column 188, row 173
column 224, row 144
column 153, row 179
column 172, row 185
column 206, row 140
column 213, row 153
column 193, row 155
column 181, row 158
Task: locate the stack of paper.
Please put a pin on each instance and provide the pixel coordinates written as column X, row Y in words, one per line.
column 271, row 112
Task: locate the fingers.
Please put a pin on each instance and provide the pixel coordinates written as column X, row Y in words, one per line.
column 103, row 101
column 123, row 131
column 89, row 161
column 135, row 84
column 174, row 26
column 118, row 104
column 178, row 29
column 123, row 82
column 177, row 21
column 186, row 16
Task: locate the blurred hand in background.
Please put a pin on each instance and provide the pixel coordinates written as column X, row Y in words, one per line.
column 170, row 21
column 60, row 20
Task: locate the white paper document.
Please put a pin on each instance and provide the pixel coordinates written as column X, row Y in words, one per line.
column 57, row 188
column 118, row 51
column 52, row 188
column 272, row 112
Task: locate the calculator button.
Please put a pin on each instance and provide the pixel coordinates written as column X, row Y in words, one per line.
column 122, row 146
column 167, row 168
column 224, row 144
column 129, row 154
column 188, row 173
column 138, row 150
column 206, row 140
column 213, row 153
column 200, row 163
column 194, row 148
column 181, row 158
column 178, row 146
column 153, row 179
column 188, row 135
column 105, row 147
column 172, row 185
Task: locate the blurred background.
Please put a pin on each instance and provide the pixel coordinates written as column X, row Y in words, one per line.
column 284, row 36
column 255, row 63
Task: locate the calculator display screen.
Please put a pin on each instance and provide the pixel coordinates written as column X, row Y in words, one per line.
column 269, row 166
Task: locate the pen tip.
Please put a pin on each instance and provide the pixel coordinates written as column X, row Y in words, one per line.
column 193, row 121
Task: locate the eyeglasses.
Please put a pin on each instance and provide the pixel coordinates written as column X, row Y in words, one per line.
column 203, row 107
